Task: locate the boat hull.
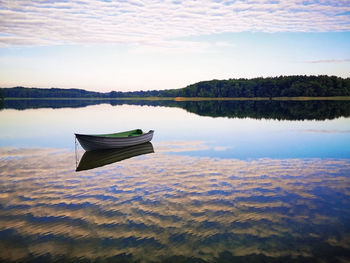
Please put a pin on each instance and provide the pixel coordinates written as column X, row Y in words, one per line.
column 92, row 142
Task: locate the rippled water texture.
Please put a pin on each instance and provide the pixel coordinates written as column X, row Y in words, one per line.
column 243, row 181
column 162, row 207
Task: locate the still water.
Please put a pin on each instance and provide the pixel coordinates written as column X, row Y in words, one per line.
column 221, row 182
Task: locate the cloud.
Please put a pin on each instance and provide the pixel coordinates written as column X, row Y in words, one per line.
column 329, row 61
column 167, row 203
column 151, row 23
column 181, row 146
column 325, row 131
column 222, row 148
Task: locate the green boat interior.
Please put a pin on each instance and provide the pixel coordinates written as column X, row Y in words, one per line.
column 131, row 133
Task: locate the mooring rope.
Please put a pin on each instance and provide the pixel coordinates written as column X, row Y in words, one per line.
column 76, row 152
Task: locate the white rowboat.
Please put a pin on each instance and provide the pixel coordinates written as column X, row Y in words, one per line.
column 91, row 142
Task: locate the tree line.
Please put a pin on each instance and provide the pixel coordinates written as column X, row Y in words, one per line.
column 22, row 92
column 283, row 86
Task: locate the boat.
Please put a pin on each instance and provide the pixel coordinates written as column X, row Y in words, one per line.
column 91, row 142
column 98, row 158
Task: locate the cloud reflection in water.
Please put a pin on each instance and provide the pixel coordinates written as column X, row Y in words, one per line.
column 160, row 206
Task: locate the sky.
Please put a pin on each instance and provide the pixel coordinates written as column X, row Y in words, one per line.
column 130, row 45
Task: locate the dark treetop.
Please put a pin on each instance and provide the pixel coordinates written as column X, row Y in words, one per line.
column 283, row 86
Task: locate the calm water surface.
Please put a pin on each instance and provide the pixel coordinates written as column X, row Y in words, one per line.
column 221, row 182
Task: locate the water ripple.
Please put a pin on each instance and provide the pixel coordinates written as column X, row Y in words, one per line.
column 161, row 207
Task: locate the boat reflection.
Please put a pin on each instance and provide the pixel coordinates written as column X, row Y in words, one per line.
column 98, row 158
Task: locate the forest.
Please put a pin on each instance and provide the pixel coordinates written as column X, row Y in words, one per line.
column 22, row 92
column 283, row 86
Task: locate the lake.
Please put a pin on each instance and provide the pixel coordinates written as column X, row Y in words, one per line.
column 229, row 181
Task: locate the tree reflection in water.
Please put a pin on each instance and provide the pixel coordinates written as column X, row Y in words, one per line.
column 270, row 109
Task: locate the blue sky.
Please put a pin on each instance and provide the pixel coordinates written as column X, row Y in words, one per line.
column 144, row 45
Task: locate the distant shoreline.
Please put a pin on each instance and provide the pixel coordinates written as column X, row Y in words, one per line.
column 179, row 99
column 282, row 88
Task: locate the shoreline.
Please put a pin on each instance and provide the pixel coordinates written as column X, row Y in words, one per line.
column 179, row 99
